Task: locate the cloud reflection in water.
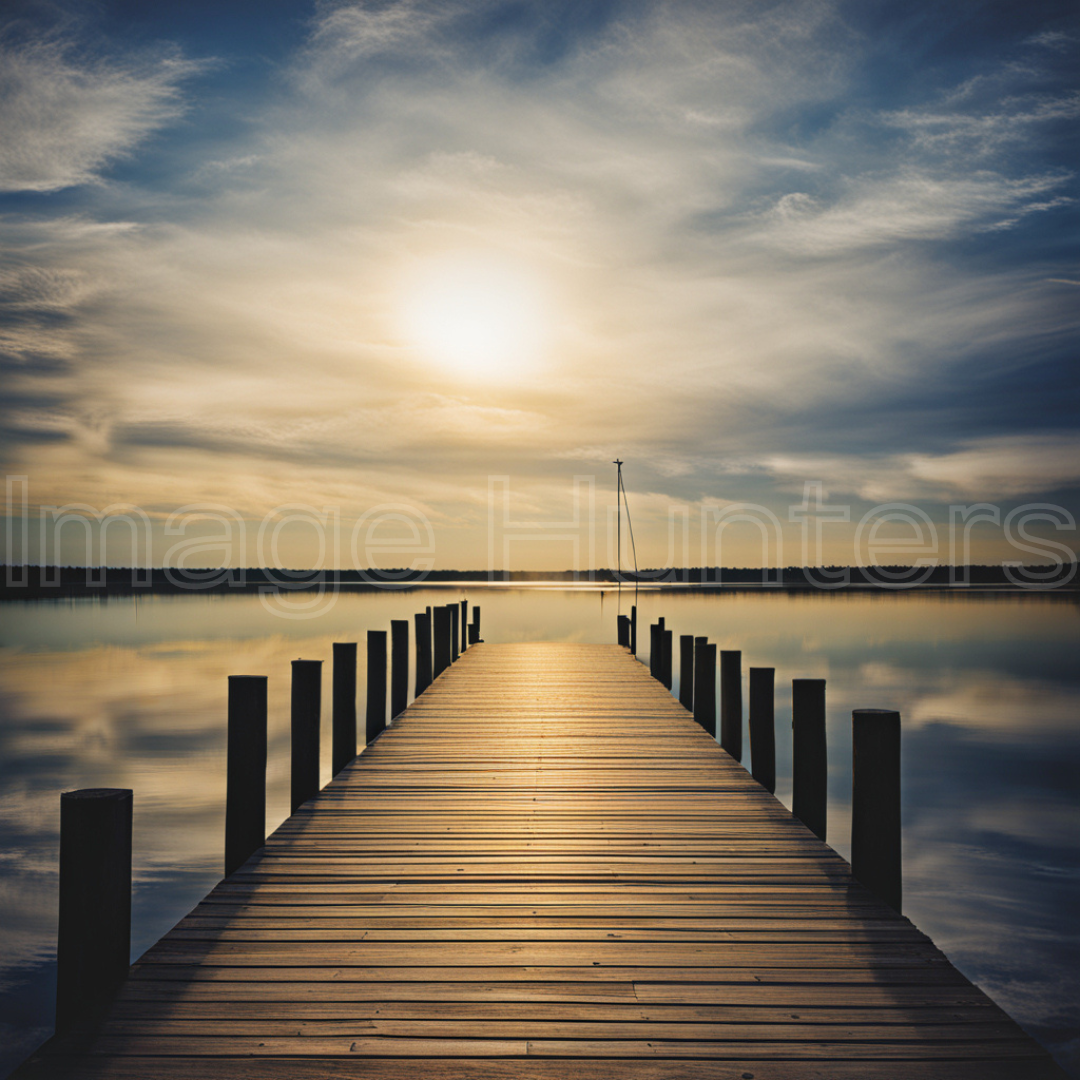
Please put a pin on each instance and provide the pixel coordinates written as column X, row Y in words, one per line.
column 95, row 694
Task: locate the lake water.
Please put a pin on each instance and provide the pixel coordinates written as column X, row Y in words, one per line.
column 125, row 693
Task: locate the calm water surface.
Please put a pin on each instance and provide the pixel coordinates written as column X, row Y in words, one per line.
column 121, row 693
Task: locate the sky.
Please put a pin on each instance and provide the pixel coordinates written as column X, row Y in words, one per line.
column 383, row 264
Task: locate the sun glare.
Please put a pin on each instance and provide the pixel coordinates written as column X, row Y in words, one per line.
column 481, row 316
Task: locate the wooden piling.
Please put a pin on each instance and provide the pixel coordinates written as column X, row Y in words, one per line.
column 763, row 727
column 306, row 716
column 464, row 625
column 875, row 803
column 423, row 650
column 705, row 685
column 376, row 683
column 94, row 935
column 343, row 706
column 809, row 757
column 665, row 654
column 441, row 616
column 623, row 624
column 399, row 666
column 731, row 702
column 633, row 630
column 476, row 623
column 686, row 671
column 654, row 650
column 245, row 770
column 455, row 614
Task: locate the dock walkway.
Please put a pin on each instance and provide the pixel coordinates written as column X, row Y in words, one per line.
column 543, row 870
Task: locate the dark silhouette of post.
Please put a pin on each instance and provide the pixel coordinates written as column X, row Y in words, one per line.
column 245, row 770
column 423, row 651
column 476, row 623
column 654, row 650
column 624, row 630
column 306, row 715
column 665, row 657
column 809, row 757
column 705, row 685
column 343, row 722
column 399, row 666
column 633, row 630
column 454, row 615
column 875, row 803
column 441, row 616
column 763, row 726
column 686, row 671
column 376, row 683
column 464, row 625
column 94, row 940
column 731, row 702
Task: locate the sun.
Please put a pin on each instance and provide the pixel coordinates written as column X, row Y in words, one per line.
column 480, row 315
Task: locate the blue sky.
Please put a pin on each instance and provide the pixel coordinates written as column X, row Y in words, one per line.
column 745, row 246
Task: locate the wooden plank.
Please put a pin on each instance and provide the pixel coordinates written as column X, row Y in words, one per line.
column 363, row 1044
column 545, row 869
column 317, row 1013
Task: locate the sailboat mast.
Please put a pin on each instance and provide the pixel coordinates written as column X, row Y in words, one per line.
column 618, row 499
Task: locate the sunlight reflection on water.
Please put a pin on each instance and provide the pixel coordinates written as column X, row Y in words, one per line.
column 133, row 694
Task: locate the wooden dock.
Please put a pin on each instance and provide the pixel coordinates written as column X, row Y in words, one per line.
column 543, row 870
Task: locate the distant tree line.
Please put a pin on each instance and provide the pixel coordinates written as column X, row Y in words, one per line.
column 39, row 582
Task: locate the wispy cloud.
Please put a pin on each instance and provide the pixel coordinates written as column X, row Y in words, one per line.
column 345, row 33
column 1015, row 121
column 916, row 205
column 64, row 116
column 990, row 469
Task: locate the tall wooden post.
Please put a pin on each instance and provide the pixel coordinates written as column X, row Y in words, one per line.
column 633, row 630
column 343, row 720
column 306, row 717
column 399, row 666
column 464, row 625
column 686, row 671
column 875, row 803
column 763, row 726
column 454, row 615
column 623, row 623
column 809, row 757
column 245, row 770
column 705, row 685
column 665, row 654
column 376, row 683
column 476, row 623
column 655, row 659
column 94, row 940
column 423, row 651
column 731, row 702
column 441, row 616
